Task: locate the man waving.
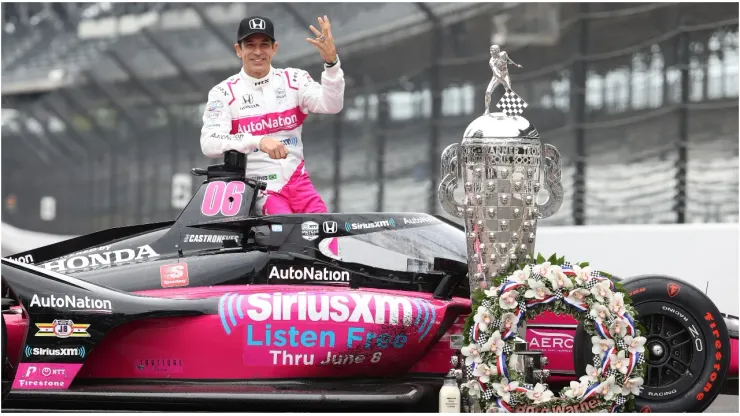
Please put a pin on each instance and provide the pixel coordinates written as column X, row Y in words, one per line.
column 260, row 112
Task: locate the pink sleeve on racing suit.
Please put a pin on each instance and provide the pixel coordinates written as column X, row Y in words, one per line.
column 324, row 98
column 215, row 136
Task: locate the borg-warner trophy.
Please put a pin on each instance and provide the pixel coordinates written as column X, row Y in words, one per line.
column 500, row 161
column 503, row 166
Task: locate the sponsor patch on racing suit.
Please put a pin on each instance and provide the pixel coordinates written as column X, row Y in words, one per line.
column 241, row 110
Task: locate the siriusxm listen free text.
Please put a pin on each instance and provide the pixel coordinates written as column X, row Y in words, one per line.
column 309, row 273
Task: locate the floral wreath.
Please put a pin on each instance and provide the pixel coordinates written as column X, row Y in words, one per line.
column 521, row 293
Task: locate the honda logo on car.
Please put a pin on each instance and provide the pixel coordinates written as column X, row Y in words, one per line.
column 349, row 226
column 70, row 302
column 309, row 273
column 99, row 259
column 330, row 227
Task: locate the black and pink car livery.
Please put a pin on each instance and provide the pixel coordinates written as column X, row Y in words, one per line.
column 329, row 309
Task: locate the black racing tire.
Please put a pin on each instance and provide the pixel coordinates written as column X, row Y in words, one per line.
column 680, row 319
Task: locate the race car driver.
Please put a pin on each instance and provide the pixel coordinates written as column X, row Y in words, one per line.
column 260, row 112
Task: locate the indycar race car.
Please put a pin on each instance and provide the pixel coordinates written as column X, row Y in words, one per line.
column 224, row 308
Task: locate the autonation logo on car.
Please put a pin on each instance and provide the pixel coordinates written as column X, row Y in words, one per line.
column 349, row 226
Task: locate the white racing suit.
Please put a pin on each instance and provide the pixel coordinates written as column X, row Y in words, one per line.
column 241, row 110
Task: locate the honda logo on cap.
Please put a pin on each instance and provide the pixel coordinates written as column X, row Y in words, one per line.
column 330, row 227
column 257, row 24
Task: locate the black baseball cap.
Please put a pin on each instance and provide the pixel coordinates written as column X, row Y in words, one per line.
column 255, row 24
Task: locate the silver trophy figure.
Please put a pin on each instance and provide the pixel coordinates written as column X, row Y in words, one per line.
column 499, row 64
column 500, row 161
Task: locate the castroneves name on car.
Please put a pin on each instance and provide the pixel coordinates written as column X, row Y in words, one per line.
column 101, row 259
column 71, row 302
column 309, row 273
column 209, row 238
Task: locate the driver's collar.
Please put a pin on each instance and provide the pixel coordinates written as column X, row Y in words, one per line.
column 257, row 82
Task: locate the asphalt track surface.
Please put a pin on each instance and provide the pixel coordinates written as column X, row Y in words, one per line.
column 723, row 404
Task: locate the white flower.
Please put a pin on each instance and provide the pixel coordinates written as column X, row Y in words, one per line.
column 558, row 279
column 509, row 321
column 508, row 300
column 635, row 345
column 473, row 388
column 492, row 292
column 537, row 290
column 633, row 386
column 504, row 389
column 483, row 318
column 619, row 362
column 607, row 388
column 495, row 344
column 616, row 304
column 576, row 389
column 542, row 269
column 583, row 275
column 472, row 354
column 602, row 291
column 521, row 276
column 484, row 372
column 600, row 345
column 600, row 313
column 618, row 327
column 578, row 296
column 592, row 374
column 539, row 394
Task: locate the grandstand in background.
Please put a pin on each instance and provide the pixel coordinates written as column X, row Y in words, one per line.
column 102, row 104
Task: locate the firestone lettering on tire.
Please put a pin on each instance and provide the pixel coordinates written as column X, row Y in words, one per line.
column 309, row 273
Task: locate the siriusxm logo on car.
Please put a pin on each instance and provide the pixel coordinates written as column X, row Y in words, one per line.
column 349, row 226
column 54, row 352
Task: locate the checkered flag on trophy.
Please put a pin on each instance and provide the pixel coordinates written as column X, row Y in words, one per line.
column 511, row 104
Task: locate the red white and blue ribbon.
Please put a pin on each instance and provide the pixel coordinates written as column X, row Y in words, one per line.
column 568, row 271
column 506, row 407
column 606, row 360
column 520, row 311
column 508, row 286
column 590, row 392
column 476, row 332
column 602, row 330
column 634, row 358
column 630, row 324
column 581, row 306
column 549, row 299
column 510, row 333
column 502, row 367
column 601, row 278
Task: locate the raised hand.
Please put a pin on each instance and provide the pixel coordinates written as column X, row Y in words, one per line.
column 324, row 41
